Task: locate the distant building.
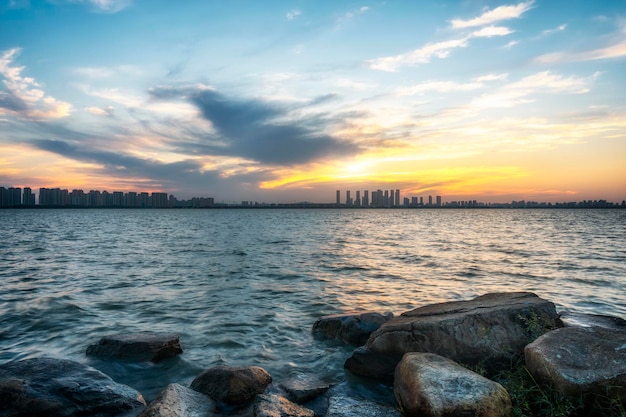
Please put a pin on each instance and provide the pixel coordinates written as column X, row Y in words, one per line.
column 357, row 200
column 338, row 197
column 28, row 197
column 438, row 201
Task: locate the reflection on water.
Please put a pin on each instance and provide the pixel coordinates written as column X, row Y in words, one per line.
column 245, row 286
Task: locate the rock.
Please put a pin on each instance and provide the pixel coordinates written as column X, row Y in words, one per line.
column 353, row 407
column 179, row 401
column 232, row 385
column 429, row 385
column 352, row 328
column 303, row 388
column 137, row 346
column 370, row 364
column 581, row 360
column 277, row 406
column 492, row 329
column 57, row 387
column 570, row 319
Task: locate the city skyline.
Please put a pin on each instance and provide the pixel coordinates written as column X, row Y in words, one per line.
column 14, row 197
column 274, row 101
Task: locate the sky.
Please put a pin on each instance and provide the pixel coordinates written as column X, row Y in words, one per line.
column 291, row 100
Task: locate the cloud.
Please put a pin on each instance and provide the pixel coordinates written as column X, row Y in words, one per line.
column 99, row 111
column 489, row 31
column 257, row 130
column 616, row 49
column 495, row 15
column 107, row 72
column 492, row 77
column 292, row 14
column 23, row 96
column 117, row 164
column 548, row 32
column 105, row 6
column 520, row 92
column 351, row 15
column 419, row 56
column 438, row 86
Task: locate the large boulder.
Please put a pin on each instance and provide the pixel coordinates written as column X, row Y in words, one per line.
column 137, row 346
column 352, row 328
column 492, row 329
column 354, row 407
column 232, row 385
column 588, row 361
column 179, row 401
column 57, row 387
column 429, row 385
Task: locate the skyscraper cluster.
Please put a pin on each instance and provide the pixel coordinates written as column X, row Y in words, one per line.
column 384, row 199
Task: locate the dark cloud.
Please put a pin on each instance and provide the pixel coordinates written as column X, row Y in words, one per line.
column 171, row 175
column 259, row 131
column 11, row 102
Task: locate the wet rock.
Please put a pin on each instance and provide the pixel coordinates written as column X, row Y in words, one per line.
column 492, row 329
column 353, row 407
column 571, row 319
column 303, row 388
column 581, row 360
column 429, row 385
column 179, row 401
column 351, row 328
column 137, row 346
column 375, row 365
column 277, row 406
column 232, row 385
column 57, row 387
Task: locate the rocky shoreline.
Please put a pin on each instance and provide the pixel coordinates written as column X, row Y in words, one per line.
column 428, row 356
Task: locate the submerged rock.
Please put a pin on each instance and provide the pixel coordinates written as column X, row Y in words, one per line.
column 277, row 406
column 137, row 346
column 303, row 388
column 352, row 328
column 58, row 387
column 179, row 401
column 232, row 385
column 588, row 361
column 429, row 385
column 570, row 319
column 491, row 329
column 353, row 407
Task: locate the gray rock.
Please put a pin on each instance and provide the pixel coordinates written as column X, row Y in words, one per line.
column 302, row 388
column 374, row 365
column 581, row 360
column 179, row 401
column 429, row 385
column 571, row 319
column 353, row 407
column 351, row 328
column 277, row 406
column 57, row 387
column 137, row 346
column 492, row 329
column 232, row 385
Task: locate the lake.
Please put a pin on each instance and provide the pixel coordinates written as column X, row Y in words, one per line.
column 244, row 286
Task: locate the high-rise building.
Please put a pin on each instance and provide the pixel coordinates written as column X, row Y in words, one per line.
column 357, row 200
column 397, row 198
column 28, row 197
column 430, row 200
column 438, row 201
column 338, row 201
column 392, row 199
column 348, row 199
column 366, row 198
